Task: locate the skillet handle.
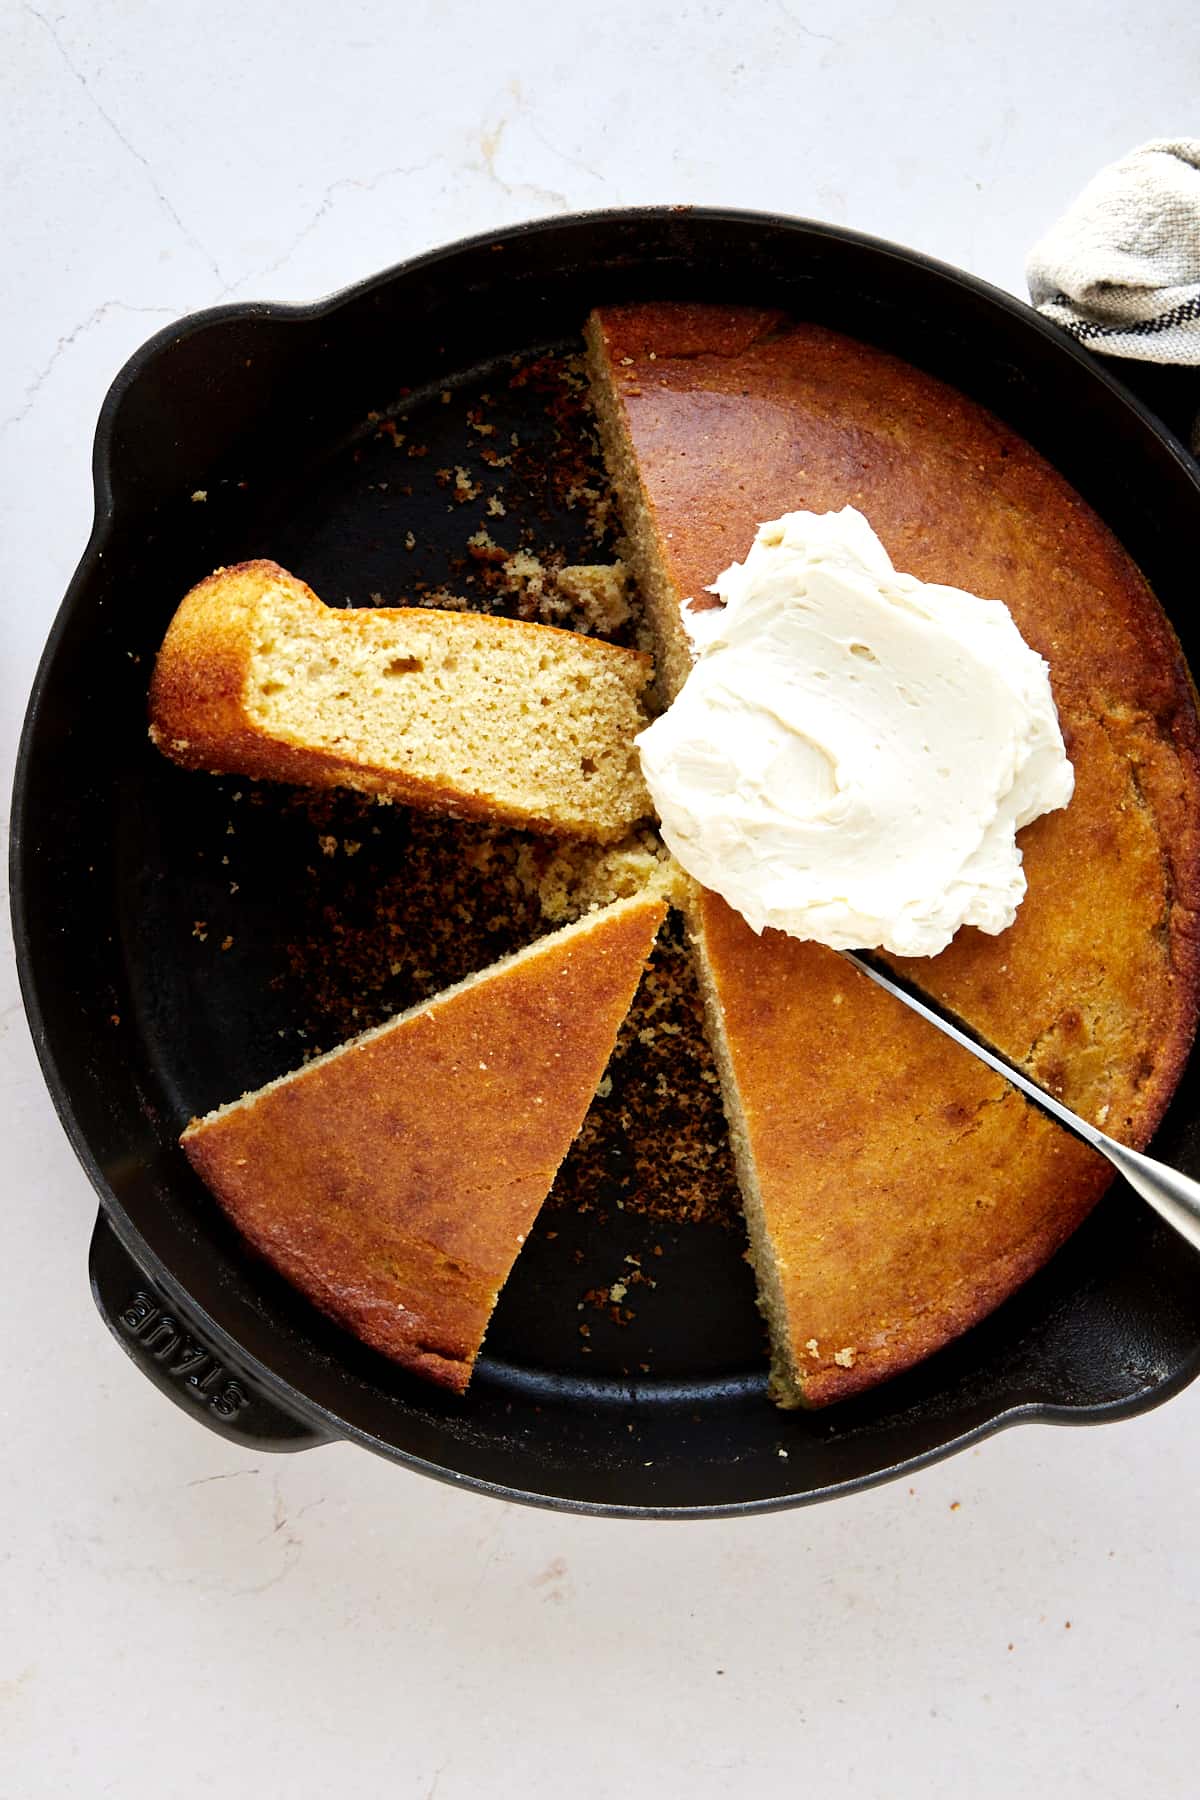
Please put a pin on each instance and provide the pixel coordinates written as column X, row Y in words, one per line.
column 160, row 1339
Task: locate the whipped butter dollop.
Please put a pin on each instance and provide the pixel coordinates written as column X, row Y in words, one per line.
column 854, row 750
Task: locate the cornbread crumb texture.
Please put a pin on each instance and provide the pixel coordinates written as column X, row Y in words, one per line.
column 496, row 498
column 460, row 711
column 394, row 1180
column 654, row 1141
column 397, row 903
column 571, row 876
column 589, row 598
column 598, row 593
column 428, row 900
column 424, row 902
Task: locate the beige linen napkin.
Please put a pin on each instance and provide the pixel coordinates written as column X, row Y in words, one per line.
column 1121, row 269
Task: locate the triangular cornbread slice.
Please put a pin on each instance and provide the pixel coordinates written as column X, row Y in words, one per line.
column 715, row 418
column 895, row 1189
column 394, row 1179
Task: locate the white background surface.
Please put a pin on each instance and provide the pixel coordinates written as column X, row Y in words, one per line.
column 178, row 1618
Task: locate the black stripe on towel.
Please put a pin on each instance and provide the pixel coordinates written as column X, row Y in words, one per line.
column 1178, row 315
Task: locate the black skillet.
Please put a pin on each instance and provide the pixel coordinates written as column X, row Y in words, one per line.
column 141, row 1019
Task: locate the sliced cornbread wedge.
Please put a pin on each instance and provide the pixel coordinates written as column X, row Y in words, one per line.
column 458, row 712
column 716, row 418
column 395, row 1179
column 894, row 1189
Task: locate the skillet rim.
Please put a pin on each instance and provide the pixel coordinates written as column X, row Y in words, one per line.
column 325, row 1424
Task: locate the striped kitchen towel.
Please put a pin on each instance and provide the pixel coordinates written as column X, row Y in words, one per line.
column 1121, row 269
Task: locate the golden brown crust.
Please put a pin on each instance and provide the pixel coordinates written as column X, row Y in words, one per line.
column 197, row 711
column 734, row 417
column 199, row 717
column 1093, row 989
column 905, row 1189
column 679, row 329
column 394, row 1182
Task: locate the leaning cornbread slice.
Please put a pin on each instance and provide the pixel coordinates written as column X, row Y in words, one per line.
column 395, row 1179
column 716, row 418
column 458, row 712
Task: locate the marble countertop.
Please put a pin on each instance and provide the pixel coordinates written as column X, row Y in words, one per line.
column 181, row 1617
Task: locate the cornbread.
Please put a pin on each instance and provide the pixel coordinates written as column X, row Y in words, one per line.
column 394, row 1179
column 714, row 419
column 570, row 877
column 894, row 1188
column 465, row 713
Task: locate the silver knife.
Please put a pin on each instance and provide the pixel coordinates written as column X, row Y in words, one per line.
column 1172, row 1194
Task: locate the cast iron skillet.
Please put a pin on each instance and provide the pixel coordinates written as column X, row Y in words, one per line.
column 138, row 1024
